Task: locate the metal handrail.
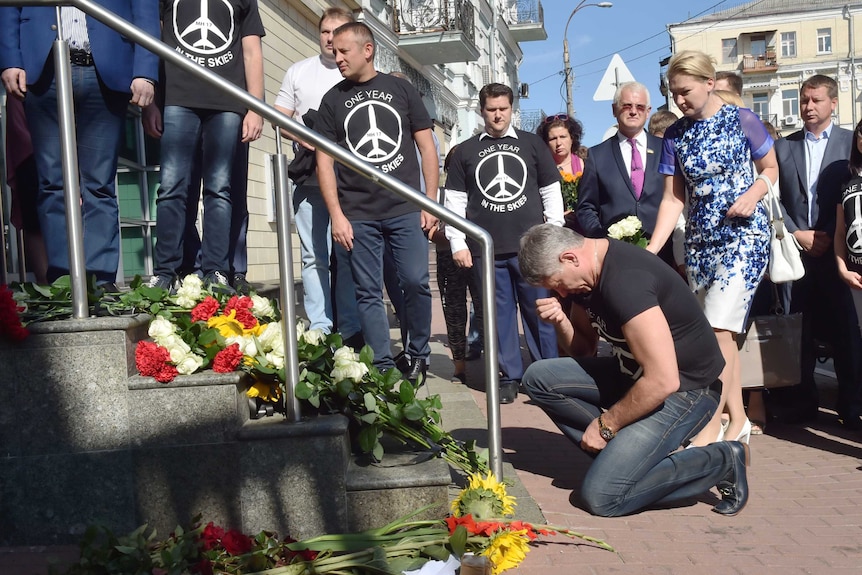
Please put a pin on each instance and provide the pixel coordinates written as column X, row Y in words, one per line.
column 342, row 156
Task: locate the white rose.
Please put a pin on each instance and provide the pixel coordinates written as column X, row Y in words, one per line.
column 300, row 329
column 272, row 338
column 262, row 307
column 344, row 355
column 189, row 364
column 186, row 302
column 246, row 344
column 314, row 336
column 276, row 359
column 190, row 292
column 349, row 370
column 176, row 347
column 160, row 328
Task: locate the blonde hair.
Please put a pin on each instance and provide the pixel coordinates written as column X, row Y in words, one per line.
column 692, row 63
column 729, row 97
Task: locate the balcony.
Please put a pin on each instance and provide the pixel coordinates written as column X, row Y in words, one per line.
column 525, row 19
column 761, row 64
column 436, row 31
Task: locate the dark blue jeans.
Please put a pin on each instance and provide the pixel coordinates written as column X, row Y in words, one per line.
column 512, row 293
column 403, row 234
column 100, row 115
column 216, row 134
column 641, row 465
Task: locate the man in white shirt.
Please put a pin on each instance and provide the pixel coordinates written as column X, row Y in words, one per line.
column 303, row 87
column 506, row 181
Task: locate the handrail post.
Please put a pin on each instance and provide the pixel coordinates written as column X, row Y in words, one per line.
column 492, row 375
column 286, row 282
column 71, row 181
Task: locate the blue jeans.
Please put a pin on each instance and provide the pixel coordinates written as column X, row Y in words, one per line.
column 403, row 234
column 511, row 293
column 217, row 135
column 238, row 222
column 100, row 116
column 315, row 247
column 640, row 466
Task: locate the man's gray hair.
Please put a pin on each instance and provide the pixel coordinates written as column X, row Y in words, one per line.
column 541, row 247
column 633, row 87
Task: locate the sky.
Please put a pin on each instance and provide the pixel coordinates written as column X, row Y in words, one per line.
column 634, row 29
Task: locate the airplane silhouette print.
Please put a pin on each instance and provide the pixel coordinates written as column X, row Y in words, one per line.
column 197, row 32
column 501, row 176
column 373, row 131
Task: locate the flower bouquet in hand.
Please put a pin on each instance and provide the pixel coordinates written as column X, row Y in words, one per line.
column 629, row 230
column 569, row 186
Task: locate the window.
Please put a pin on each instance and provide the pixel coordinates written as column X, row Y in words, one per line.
column 758, row 45
column 788, row 44
column 824, row 40
column 137, row 184
column 760, row 105
column 728, row 51
column 790, row 103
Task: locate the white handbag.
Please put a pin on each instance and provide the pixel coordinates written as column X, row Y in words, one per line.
column 785, row 263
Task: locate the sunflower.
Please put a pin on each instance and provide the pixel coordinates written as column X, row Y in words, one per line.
column 483, row 498
column 507, row 549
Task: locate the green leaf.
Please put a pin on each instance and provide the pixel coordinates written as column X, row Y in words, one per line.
column 414, row 411
column 370, row 402
column 368, row 418
column 368, row 438
column 406, row 392
column 344, row 387
column 366, row 355
column 458, row 541
column 438, row 552
column 377, row 452
column 125, row 549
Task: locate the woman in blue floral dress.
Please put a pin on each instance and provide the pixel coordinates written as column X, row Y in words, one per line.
column 708, row 153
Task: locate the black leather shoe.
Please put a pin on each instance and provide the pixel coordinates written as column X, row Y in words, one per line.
column 508, row 391
column 403, row 363
column 734, row 487
column 417, row 371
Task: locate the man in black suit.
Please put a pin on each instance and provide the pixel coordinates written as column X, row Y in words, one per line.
column 812, row 166
column 621, row 176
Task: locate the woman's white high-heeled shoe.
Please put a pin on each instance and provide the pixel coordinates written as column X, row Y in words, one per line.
column 744, row 435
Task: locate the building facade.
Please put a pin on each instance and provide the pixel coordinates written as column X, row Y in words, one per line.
column 775, row 45
column 448, row 48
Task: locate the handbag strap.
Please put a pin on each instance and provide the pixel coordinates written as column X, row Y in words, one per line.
column 773, row 207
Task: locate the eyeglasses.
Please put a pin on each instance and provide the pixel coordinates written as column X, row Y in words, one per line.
column 640, row 108
column 556, row 118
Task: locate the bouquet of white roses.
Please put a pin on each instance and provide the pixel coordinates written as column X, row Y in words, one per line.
column 629, row 230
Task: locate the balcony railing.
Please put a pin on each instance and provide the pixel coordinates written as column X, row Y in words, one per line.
column 752, row 64
column 525, row 19
column 417, row 16
column 437, row 31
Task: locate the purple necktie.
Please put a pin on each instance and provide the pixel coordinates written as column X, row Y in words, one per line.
column 637, row 169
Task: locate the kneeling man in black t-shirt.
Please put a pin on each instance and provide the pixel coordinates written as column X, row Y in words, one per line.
column 633, row 410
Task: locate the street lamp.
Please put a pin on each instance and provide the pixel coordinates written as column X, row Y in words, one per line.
column 567, row 69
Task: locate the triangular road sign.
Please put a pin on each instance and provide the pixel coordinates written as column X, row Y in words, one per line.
column 616, row 74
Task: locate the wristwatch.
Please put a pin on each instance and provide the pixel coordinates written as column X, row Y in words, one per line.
column 606, row 432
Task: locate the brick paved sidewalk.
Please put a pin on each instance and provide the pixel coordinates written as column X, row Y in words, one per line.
column 804, row 515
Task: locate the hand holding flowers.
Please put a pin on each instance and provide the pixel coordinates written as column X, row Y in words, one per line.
column 629, row 230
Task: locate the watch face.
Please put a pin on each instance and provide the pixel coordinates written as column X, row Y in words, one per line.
column 606, row 434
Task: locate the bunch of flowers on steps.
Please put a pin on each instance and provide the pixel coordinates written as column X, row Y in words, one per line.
column 480, row 524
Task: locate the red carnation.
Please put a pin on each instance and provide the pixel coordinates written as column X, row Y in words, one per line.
column 153, row 360
column 243, row 306
column 211, row 536
column 236, row 543
column 206, row 309
column 10, row 322
column 227, row 359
